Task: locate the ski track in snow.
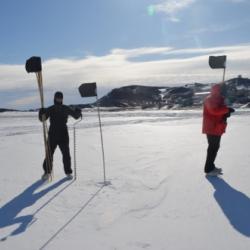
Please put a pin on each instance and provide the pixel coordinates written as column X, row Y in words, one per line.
column 147, row 207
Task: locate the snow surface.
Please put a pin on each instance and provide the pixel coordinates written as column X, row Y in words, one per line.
column 159, row 198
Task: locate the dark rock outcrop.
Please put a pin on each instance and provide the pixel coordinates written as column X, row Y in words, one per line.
column 7, row 110
column 131, row 96
column 189, row 95
column 186, row 96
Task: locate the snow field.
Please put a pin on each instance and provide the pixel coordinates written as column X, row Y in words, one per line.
column 159, row 197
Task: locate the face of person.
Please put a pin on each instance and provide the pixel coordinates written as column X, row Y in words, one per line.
column 58, row 100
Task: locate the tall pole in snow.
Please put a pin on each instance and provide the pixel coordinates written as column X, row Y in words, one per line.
column 224, row 73
column 34, row 65
column 103, row 155
column 90, row 90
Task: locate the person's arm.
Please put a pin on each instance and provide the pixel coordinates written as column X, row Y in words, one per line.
column 216, row 109
column 44, row 114
column 75, row 113
column 227, row 115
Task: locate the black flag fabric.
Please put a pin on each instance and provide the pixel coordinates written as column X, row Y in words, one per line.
column 217, row 62
column 88, row 89
column 33, row 64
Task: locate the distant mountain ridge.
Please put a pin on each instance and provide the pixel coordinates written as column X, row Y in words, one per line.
column 186, row 96
column 7, row 110
column 189, row 95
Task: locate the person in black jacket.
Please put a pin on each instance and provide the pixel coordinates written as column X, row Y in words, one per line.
column 58, row 132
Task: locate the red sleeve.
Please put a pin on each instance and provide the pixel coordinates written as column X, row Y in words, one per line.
column 216, row 107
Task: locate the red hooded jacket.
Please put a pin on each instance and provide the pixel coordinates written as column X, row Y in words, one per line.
column 214, row 111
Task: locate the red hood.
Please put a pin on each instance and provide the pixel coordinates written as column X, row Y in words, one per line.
column 216, row 90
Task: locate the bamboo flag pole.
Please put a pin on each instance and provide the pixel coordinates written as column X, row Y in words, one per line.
column 34, row 65
column 49, row 167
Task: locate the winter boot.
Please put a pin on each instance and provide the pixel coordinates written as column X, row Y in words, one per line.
column 214, row 172
column 218, row 169
column 46, row 177
column 69, row 176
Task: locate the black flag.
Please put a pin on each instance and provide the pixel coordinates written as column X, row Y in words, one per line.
column 217, row 62
column 33, row 64
column 88, row 89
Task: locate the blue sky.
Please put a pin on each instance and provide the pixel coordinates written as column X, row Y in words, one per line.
column 117, row 42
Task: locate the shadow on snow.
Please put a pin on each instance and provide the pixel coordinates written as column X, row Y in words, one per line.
column 9, row 212
column 234, row 204
column 72, row 218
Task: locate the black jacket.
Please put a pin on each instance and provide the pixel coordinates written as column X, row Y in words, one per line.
column 58, row 115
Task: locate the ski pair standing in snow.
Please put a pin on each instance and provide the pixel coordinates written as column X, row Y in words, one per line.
column 58, row 132
column 215, row 114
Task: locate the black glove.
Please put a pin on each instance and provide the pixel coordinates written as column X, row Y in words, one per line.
column 78, row 112
column 42, row 111
column 231, row 110
column 227, row 115
column 42, row 114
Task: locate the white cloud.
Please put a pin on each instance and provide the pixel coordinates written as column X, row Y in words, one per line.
column 172, row 7
column 130, row 53
column 221, row 27
column 118, row 68
column 23, row 101
column 238, row 1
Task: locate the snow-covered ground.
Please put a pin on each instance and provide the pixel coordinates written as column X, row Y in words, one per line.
column 159, row 198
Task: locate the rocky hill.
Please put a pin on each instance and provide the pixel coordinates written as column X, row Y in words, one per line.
column 189, row 95
column 186, row 96
column 7, row 110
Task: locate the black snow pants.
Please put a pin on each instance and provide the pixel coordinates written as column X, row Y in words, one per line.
column 212, row 150
column 63, row 143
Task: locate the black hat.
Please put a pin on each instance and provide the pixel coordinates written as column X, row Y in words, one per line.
column 59, row 95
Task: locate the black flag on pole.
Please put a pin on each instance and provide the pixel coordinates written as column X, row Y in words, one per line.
column 33, row 64
column 217, row 62
column 88, row 89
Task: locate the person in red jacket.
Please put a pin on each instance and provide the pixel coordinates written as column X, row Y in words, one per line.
column 215, row 114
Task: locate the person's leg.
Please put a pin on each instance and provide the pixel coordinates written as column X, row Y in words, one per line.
column 64, row 147
column 216, row 146
column 212, row 150
column 52, row 148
